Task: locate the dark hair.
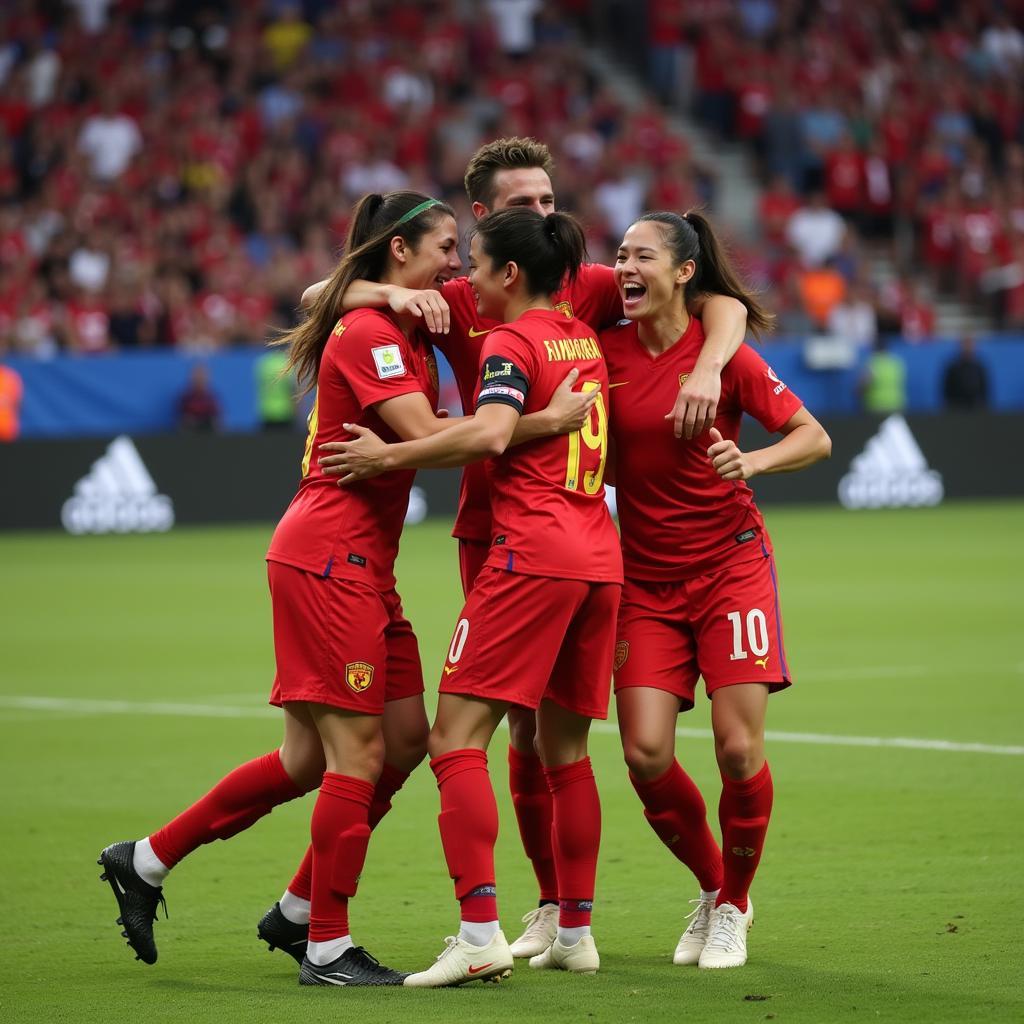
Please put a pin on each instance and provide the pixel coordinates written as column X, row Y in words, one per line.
column 375, row 221
column 546, row 249
column 691, row 237
column 503, row 155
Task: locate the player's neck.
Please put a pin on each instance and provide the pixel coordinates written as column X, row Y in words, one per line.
column 659, row 332
column 520, row 305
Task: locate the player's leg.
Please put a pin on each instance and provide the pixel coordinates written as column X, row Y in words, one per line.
column 531, row 799
column 353, row 746
column 136, row 870
column 468, row 824
column 742, row 658
column 576, row 836
column 655, row 676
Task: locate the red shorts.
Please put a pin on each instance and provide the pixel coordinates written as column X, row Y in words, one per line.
column 522, row 638
column 339, row 642
column 472, row 555
column 725, row 626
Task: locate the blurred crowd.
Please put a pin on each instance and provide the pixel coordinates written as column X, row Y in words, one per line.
column 175, row 173
column 883, row 132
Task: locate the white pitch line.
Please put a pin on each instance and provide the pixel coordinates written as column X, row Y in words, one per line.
column 126, row 707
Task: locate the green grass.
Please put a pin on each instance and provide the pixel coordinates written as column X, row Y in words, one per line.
column 889, row 888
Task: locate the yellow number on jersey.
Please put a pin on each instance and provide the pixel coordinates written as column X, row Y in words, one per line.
column 313, row 418
column 595, row 438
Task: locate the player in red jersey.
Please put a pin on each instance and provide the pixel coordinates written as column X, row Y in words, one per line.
column 348, row 678
column 536, row 629
column 516, row 173
column 700, row 595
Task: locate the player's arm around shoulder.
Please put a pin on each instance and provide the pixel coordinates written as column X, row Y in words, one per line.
column 426, row 304
column 725, row 324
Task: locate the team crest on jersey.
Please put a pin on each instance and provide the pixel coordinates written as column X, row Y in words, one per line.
column 358, row 675
column 565, row 308
column 432, row 372
column 682, row 378
column 339, row 329
column 621, row 654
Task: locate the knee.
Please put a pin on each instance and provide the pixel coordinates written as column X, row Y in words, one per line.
column 739, row 754
column 522, row 730
column 646, row 759
column 304, row 762
column 409, row 749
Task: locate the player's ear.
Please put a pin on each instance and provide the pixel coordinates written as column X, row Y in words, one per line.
column 511, row 274
column 685, row 271
column 399, row 250
column 479, row 210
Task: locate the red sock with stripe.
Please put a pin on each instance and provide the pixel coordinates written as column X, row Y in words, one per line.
column 743, row 812
column 340, row 839
column 239, row 800
column 468, row 823
column 576, row 813
column 532, row 801
column 675, row 810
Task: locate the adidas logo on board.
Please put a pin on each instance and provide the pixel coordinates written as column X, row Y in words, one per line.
column 891, row 472
column 117, row 496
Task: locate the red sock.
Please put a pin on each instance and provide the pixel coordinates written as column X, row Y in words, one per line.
column 532, row 801
column 743, row 811
column 675, row 810
column 576, row 812
column 390, row 782
column 239, row 800
column 340, row 838
column 302, row 884
column 469, row 829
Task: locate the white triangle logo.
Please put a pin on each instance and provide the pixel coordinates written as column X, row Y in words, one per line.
column 117, row 495
column 891, row 472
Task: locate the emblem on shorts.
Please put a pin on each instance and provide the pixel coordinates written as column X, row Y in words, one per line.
column 621, row 654
column 682, row 378
column 358, row 675
column 763, row 662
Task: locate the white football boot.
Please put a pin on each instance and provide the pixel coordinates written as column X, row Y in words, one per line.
column 727, row 937
column 692, row 942
column 541, row 929
column 461, row 962
column 580, row 958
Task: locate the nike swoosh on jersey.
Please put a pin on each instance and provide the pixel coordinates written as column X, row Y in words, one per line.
column 618, row 384
column 474, row 333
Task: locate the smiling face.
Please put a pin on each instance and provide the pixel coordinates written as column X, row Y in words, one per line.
column 489, row 282
column 650, row 282
column 434, row 260
column 528, row 187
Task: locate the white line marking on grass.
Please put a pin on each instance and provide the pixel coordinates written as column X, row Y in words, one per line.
column 127, row 707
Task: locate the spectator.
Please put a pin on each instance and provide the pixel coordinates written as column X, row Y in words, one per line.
column 198, row 407
column 965, row 381
column 884, row 382
column 275, row 391
column 110, row 139
column 821, row 290
column 854, row 318
column 815, row 231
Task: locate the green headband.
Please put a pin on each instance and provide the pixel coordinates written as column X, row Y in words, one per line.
column 416, row 211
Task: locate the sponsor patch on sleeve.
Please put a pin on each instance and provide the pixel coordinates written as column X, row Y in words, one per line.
column 779, row 385
column 502, row 381
column 389, row 361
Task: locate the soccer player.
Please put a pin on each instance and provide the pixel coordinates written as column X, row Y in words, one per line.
column 348, row 678
column 700, row 595
column 552, row 574
column 516, row 173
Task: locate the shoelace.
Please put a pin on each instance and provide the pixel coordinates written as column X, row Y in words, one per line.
column 726, row 932
column 697, row 922
column 450, row 943
column 533, row 919
column 370, row 962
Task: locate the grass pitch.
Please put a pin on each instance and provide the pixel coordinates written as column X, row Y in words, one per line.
column 889, row 889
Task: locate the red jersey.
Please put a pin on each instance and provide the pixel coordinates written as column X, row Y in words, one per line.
column 547, row 496
column 678, row 517
column 352, row 532
column 593, row 297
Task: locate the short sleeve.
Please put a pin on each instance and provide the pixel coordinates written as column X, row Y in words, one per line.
column 595, row 296
column 756, row 389
column 374, row 357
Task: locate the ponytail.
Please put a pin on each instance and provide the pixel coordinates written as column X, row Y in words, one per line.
column 691, row 237
column 375, row 221
column 548, row 250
